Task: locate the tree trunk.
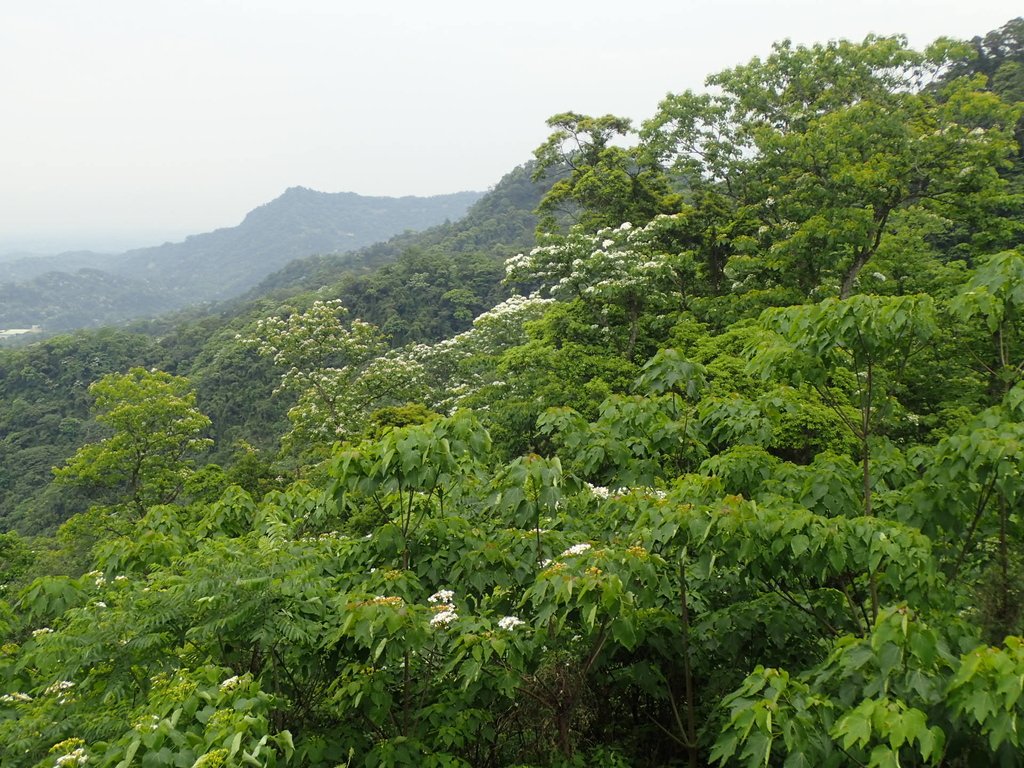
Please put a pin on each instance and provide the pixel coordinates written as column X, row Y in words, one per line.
column 863, row 255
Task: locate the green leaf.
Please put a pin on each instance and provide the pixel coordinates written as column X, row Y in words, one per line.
column 855, row 728
column 799, row 544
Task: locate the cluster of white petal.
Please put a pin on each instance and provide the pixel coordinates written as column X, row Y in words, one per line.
column 575, row 549
column 231, row 683
column 75, row 757
column 509, row 623
column 608, row 265
column 62, row 690
column 446, row 383
column 444, row 618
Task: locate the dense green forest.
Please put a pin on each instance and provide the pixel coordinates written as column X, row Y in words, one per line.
column 698, row 442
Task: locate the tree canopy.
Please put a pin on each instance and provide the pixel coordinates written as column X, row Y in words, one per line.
column 728, row 473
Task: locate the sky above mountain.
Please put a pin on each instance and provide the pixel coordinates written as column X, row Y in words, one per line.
column 128, row 124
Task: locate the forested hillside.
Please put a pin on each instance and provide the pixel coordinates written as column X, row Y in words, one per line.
column 724, row 467
column 421, row 287
column 104, row 289
column 301, row 222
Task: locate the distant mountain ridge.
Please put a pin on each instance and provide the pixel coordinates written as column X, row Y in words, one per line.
column 301, row 222
column 15, row 268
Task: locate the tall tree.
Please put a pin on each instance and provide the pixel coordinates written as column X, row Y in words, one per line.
column 600, row 183
column 157, row 430
column 815, row 149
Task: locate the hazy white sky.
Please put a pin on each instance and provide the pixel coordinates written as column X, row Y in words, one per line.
column 129, row 123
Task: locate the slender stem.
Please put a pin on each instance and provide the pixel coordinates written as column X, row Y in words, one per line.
column 865, row 447
column 406, row 696
column 680, row 740
column 861, row 629
column 691, row 713
column 982, row 503
column 865, row 434
column 786, row 595
column 1004, row 557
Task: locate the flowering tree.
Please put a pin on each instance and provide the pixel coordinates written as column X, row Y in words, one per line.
column 336, row 370
column 810, row 153
column 456, row 368
column 622, row 268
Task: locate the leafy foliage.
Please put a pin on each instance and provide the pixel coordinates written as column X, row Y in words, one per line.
column 713, row 494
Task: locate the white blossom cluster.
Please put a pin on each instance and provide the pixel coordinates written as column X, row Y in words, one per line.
column 613, row 264
column 446, row 383
column 602, row 492
column 575, row 549
column 444, row 618
column 444, row 599
column 321, row 537
column 231, row 683
column 10, row 698
column 41, row 631
column 61, row 689
column 509, row 623
column 75, row 757
column 149, row 723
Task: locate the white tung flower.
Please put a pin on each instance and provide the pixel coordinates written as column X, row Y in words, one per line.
column 41, row 631
column 576, row 549
column 444, row 618
column 76, row 757
column 445, row 596
column 230, row 683
column 510, row 622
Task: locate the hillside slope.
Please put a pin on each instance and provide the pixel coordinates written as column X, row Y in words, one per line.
column 301, row 222
column 212, row 266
